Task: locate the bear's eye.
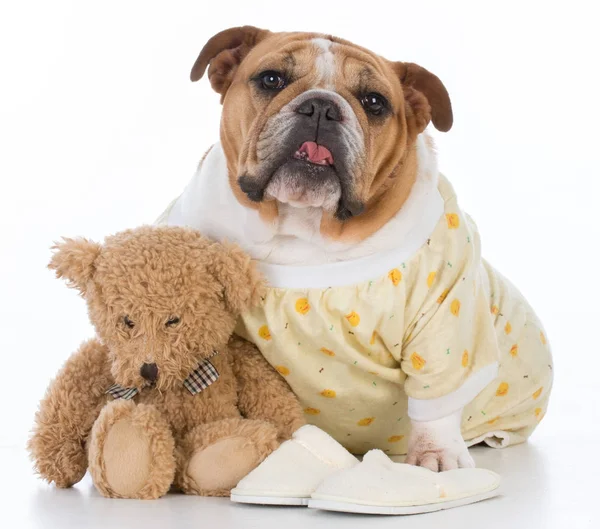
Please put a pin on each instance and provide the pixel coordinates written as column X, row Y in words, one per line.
column 171, row 322
column 127, row 322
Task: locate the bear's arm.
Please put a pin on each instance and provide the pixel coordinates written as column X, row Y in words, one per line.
column 262, row 392
column 67, row 413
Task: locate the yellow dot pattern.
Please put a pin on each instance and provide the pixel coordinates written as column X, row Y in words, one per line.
column 264, row 333
column 418, row 362
column 367, row 421
column 455, row 307
column 327, row 352
column 502, row 390
column 443, row 296
column 373, row 338
column 283, row 370
column 465, row 358
column 395, row 276
column 312, row 411
column 302, row 306
column 453, row 221
column 353, row 318
column 431, row 279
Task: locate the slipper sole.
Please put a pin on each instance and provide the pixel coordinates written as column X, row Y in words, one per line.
column 270, row 500
column 342, row 506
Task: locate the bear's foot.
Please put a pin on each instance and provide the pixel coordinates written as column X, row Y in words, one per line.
column 131, row 452
column 214, row 457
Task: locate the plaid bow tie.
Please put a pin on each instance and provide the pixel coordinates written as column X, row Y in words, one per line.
column 199, row 379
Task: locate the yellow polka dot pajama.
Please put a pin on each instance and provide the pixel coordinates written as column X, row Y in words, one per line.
column 439, row 331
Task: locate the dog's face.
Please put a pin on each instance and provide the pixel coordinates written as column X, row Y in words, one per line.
column 315, row 121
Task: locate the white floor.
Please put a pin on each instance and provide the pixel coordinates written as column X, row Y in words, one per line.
column 553, row 482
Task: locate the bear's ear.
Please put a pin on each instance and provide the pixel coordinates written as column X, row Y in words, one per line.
column 74, row 260
column 243, row 285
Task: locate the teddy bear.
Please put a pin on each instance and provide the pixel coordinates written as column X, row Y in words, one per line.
column 165, row 396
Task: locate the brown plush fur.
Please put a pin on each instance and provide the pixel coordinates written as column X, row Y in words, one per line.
column 167, row 296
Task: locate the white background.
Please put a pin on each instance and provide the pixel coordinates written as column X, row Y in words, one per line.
column 100, row 128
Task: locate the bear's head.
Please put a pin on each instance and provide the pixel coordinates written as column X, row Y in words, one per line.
column 162, row 299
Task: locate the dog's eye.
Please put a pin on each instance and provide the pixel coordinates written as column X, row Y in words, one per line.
column 272, row 80
column 171, row 322
column 374, row 103
column 127, row 322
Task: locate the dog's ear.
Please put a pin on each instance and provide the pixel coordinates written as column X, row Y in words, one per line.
column 243, row 285
column 426, row 96
column 74, row 260
column 224, row 52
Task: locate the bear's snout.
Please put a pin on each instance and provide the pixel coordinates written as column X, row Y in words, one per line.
column 149, row 372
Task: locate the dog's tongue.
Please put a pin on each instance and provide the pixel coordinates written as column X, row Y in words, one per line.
column 316, row 153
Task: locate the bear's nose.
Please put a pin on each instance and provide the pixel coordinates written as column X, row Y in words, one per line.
column 149, row 372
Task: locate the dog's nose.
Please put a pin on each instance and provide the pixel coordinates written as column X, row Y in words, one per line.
column 318, row 107
column 149, row 372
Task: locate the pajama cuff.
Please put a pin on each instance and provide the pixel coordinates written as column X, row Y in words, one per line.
column 434, row 409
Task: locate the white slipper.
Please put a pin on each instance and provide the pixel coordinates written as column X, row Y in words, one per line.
column 380, row 486
column 293, row 472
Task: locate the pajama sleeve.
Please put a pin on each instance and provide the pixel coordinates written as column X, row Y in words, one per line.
column 450, row 355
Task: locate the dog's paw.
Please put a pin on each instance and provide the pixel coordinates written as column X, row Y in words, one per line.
column 438, row 445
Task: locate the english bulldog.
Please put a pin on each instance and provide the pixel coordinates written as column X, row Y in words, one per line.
column 381, row 314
